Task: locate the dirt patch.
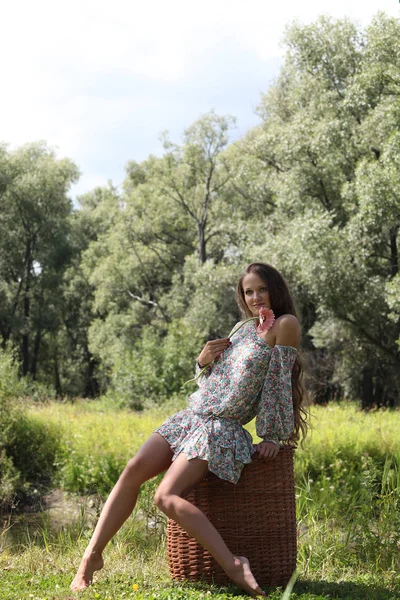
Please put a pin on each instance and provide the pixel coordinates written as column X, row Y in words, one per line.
column 58, row 511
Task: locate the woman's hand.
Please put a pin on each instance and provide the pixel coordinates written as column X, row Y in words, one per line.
column 266, row 450
column 212, row 350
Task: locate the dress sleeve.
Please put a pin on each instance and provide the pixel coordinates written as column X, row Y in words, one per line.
column 275, row 420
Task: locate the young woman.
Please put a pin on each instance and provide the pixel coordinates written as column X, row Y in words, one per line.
column 253, row 374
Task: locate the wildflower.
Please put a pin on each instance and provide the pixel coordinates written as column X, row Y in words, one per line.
column 267, row 319
column 135, row 587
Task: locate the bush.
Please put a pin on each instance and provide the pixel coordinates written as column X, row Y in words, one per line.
column 10, row 385
column 157, row 367
column 9, row 414
column 28, row 447
column 34, row 448
column 28, row 458
column 10, row 479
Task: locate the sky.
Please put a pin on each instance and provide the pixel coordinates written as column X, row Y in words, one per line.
column 100, row 81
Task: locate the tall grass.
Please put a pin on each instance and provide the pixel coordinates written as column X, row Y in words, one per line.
column 347, row 477
column 97, row 442
column 347, row 491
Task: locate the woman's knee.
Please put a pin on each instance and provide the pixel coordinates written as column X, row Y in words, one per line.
column 135, row 469
column 162, row 500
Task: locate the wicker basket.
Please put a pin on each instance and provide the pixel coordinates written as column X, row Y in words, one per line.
column 256, row 518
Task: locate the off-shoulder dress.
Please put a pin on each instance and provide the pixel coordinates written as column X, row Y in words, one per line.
column 250, row 379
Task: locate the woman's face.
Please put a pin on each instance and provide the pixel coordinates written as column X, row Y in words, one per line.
column 255, row 293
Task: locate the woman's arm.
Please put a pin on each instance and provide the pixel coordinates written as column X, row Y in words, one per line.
column 275, row 417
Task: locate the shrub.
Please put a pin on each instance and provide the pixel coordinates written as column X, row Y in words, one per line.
column 157, row 367
column 10, row 479
column 9, row 414
column 28, row 447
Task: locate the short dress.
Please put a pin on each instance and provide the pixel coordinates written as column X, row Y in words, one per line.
column 250, row 379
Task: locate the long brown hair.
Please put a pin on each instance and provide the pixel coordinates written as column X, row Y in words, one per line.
column 282, row 304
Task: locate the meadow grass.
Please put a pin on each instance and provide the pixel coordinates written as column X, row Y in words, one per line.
column 348, row 505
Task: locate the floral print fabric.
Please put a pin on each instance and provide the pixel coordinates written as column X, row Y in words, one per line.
column 251, row 379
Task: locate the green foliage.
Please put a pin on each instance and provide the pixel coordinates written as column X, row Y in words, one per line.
column 158, row 366
column 28, row 459
column 10, row 384
column 28, row 447
column 10, row 413
column 329, row 144
column 34, row 247
column 34, row 448
column 119, row 295
column 312, row 190
column 10, row 480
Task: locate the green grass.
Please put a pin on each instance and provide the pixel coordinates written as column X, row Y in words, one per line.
column 348, row 503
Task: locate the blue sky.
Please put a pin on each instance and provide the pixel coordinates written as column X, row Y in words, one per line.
column 100, row 81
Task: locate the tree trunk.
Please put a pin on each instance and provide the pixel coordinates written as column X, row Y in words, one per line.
column 25, row 336
column 92, row 388
column 35, row 354
column 394, row 255
column 367, row 396
column 379, row 393
column 27, row 311
column 202, row 242
column 57, row 378
column 27, row 266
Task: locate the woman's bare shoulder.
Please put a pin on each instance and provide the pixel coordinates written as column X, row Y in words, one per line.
column 288, row 331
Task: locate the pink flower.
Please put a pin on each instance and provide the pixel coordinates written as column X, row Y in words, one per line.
column 267, row 319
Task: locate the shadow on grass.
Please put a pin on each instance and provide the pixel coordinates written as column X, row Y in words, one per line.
column 303, row 590
column 345, row 590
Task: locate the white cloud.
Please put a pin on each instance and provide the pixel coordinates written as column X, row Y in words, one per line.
column 96, row 78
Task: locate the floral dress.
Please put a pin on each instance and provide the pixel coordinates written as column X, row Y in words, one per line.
column 250, row 379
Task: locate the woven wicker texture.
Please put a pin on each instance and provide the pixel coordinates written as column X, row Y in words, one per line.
column 256, row 518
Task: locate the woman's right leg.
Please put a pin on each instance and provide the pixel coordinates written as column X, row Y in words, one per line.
column 153, row 457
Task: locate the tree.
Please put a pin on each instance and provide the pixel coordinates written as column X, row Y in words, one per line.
column 329, row 143
column 77, row 371
column 171, row 209
column 34, row 245
column 194, row 176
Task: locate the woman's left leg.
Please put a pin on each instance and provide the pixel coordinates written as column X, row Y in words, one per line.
column 182, row 475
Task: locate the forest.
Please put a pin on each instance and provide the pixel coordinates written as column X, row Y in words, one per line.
column 116, row 293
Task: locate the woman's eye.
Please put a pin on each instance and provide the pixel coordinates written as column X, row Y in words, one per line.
column 248, row 292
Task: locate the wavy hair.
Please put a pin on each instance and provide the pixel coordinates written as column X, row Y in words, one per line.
column 282, row 304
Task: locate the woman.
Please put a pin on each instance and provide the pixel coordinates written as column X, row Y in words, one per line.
column 252, row 374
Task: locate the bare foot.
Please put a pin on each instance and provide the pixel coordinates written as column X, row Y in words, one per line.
column 243, row 577
column 90, row 563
